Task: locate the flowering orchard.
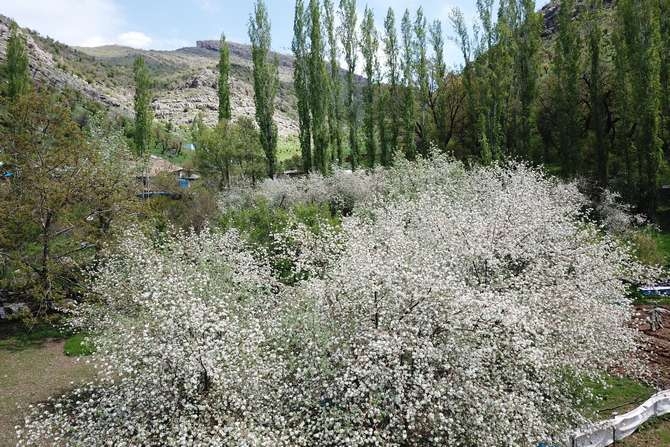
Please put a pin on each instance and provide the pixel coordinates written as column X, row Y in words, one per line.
column 454, row 307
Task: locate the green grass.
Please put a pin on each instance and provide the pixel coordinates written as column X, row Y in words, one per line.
column 614, row 394
column 78, row 346
column 287, row 148
column 654, row 433
column 663, row 244
column 17, row 337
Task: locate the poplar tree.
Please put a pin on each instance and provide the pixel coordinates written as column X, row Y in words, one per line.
column 266, row 80
column 301, row 84
column 392, row 51
column 335, row 83
column 15, row 70
column 318, row 79
column 469, row 81
column 408, row 84
column 436, row 95
column 421, row 61
column 664, row 18
column 639, row 27
column 369, row 47
column 349, row 39
column 596, row 95
column 224, row 81
column 526, row 46
column 565, row 93
column 381, row 107
column 143, row 115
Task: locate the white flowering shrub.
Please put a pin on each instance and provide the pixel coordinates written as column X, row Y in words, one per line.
column 458, row 308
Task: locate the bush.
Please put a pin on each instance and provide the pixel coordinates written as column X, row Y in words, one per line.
column 461, row 309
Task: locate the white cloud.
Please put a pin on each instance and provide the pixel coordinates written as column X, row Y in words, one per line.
column 86, row 23
column 75, row 22
column 134, row 39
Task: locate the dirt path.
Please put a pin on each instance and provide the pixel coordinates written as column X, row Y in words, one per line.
column 31, row 375
column 657, row 343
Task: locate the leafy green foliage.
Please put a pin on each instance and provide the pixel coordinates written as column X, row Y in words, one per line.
column 143, row 115
column 224, row 81
column 319, row 95
column 14, row 71
column 260, row 222
column 78, row 346
column 301, row 84
column 266, row 83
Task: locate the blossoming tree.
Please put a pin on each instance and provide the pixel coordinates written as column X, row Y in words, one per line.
column 454, row 308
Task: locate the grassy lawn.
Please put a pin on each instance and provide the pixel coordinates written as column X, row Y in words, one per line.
column 655, row 433
column 34, row 367
column 622, row 395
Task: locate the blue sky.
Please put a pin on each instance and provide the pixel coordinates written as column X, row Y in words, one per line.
column 171, row 24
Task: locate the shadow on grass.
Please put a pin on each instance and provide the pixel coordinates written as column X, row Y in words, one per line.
column 16, row 336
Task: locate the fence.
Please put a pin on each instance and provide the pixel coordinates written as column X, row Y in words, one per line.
column 608, row 432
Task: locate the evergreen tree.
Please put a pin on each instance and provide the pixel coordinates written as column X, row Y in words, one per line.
column 408, row 83
column 349, row 39
column 335, row 83
column 392, row 51
column 301, row 84
column 565, row 93
column 369, row 47
column 266, row 81
column 318, row 79
column 143, row 114
column 15, row 70
column 421, row 61
column 224, row 82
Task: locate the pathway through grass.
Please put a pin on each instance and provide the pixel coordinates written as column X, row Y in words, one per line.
column 32, row 369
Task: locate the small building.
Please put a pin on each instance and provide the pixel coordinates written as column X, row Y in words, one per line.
column 157, row 167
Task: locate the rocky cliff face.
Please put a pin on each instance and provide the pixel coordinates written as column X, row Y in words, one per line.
column 550, row 13
column 46, row 70
column 186, row 79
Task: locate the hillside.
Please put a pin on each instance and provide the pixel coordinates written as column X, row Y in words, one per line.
column 185, row 78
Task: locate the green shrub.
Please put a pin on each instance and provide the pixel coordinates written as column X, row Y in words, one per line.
column 78, row 345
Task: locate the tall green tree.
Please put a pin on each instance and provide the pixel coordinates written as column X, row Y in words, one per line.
column 422, row 77
column 639, row 27
column 349, row 38
column 565, row 93
column 224, row 81
column 335, row 83
column 301, row 84
column 15, row 69
column 392, row 53
column 319, row 94
column 526, row 44
column 369, row 47
column 596, row 93
column 266, row 82
column 381, row 108
column 664, row 18
column 143, row 114
column 409, row 113
column 469, row 82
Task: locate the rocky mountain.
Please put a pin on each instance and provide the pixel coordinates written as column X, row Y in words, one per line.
column 550, row 14
column 185, row 79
